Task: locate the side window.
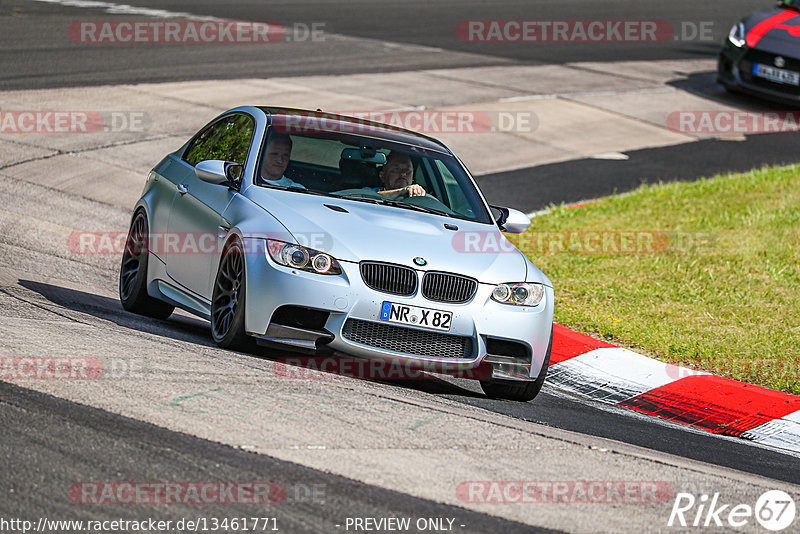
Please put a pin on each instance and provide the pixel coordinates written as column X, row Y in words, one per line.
column 202, row 144
column 228, row 140
column 234, row 140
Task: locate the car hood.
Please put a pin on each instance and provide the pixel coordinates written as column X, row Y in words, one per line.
column 396, row 235
column 774, row 30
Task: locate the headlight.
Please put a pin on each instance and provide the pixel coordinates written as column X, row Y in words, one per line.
column 519, row 293
column 303, row 258
column 737, row 36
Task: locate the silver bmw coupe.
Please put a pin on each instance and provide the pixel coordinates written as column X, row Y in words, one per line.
column 338, row 236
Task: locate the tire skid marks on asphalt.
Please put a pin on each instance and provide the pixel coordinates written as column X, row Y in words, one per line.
column 611, row 375
column 783, row 433
column 716, row 404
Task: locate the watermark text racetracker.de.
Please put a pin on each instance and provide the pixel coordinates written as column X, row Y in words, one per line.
column 27, row 368
column 341, row 367
column 466, row 242
column 246, row 523
column 733, row 122
column 584, row 31
column 72, row 121
column 137, row 32
column 169, row 243
column 564, row 492
column 99, row 493
column 50, row 368
column 427, row 121
column 582, row 242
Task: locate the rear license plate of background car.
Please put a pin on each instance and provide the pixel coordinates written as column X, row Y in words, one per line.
column 392, row 312
column 776, row 75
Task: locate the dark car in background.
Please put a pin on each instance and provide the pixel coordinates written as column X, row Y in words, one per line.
column 761, row 55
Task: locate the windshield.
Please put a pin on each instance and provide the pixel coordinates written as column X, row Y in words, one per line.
column 370, row 170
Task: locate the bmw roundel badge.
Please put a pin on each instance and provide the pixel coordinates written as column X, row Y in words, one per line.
column 420, row 261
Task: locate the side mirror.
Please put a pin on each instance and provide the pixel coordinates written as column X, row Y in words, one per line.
column 218, row 172
column 511, row 220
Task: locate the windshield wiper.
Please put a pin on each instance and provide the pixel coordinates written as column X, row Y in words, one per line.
column 390, row 202
column 299, row 190
column 401, row 204
column 358, row 199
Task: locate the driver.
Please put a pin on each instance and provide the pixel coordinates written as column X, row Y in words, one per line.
column 276, row 160
column 396, row 176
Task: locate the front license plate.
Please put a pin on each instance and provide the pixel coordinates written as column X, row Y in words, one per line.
column 776, row 75
column 392, row 312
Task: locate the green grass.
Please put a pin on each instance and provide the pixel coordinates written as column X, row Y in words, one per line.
column 717, row 290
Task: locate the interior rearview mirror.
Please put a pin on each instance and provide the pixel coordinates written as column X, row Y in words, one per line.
column 365, row 155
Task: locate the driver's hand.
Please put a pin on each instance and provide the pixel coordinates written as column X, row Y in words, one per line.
column 414, row 190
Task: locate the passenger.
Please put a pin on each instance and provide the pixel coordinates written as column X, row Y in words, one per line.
column 396, row 176
column 276, row 160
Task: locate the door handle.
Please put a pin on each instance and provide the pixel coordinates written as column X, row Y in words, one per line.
column 183, row 189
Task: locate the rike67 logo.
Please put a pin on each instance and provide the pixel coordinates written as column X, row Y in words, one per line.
column 774, row 510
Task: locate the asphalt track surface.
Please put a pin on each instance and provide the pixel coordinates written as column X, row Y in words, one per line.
column 49, row 442
column 551, row 407
column 38, row 53
column 111, row 446
column 584, row 179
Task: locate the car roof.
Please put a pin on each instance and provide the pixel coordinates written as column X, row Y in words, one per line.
column 319, row 121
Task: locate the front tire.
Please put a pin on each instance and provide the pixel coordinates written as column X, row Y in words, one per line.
column 227, row 301
column 516, row 390
column 133, row 273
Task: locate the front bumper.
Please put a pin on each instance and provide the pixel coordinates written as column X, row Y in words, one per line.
column 734, row 71
column 479, row 323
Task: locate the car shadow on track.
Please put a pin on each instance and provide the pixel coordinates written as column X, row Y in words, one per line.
column 178, row 326
column 705, row 85
column 189, row 329
column 342, row 366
